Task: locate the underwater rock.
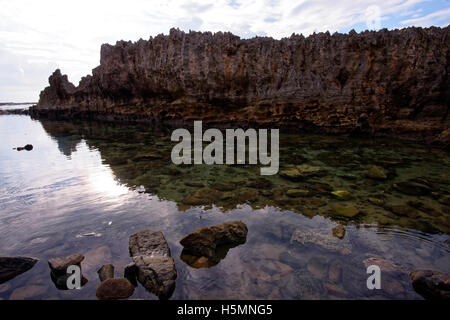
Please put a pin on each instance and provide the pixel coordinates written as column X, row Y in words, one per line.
column 301, row 172
column 204, row 196
column 344, row 210
column 385, row 265
column 402, row 210
column 223, row 186
column 432, row 285
column 376, row 201
column 115, row 289
column 260, row 183
column 339, row 231
column 321, row 238
column 301, row 285
column 106, row 272
column 11, row 267
column 412, row 188
column 377, row 173
column 335, row 272
column 342, row 194
column 28, row 292
column 204, row 241
column 295, row 193
column 246, row 195
column 318, row 266
column 156, row 267
column 194, row 184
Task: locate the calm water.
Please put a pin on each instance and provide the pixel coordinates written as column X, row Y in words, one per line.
column 86, row 187
column 15, row 106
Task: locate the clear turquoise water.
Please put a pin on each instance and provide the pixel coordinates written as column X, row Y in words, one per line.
column 86, row 187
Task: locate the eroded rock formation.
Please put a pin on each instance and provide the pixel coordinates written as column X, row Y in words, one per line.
column 385, row 83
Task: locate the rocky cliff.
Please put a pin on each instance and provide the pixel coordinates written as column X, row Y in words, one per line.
column 385, row 83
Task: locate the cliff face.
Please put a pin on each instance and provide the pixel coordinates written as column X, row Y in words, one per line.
column 386, row 82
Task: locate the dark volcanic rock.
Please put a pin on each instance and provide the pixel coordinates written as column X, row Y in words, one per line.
column 385, row 83
column 205, row 241
column 432, row 285
column 114, row 289
column 10, row 267
column 155, row 266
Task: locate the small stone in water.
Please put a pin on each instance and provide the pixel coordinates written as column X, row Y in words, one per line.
column 339, row 231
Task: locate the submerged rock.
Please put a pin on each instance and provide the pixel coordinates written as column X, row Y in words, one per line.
column 339, row 231
column 412, row 188
column 377, row 173
column 385, row 265
column 433, row 285
column 11, row 267
column 155, row 266
column 205, row 241
column 321, row 238
column 342, row 210
column 115, row 289
column 342, row 194
column 295, row 193
column 106, row 272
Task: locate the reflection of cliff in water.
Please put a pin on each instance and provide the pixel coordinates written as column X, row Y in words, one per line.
column 363, row 181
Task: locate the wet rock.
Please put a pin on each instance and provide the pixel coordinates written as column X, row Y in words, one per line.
column 59, row 266
column 95, row 258
column 156, row 267
column 131, row 273
column 295, row 193
column 204, row 241
column 339, row 231
column 342, row 210
column 342, row 194
column 106, row 272
column 377, row 173
column 115, row 289
column 223, row 186
column 385, row 265
column 11, row 267
column 412, row 188
column 301, row 172
column 444, row 199
column 321, row 238
column 432, row 285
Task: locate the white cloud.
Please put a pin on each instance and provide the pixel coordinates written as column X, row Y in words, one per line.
column 68, row 34
column 438, row 18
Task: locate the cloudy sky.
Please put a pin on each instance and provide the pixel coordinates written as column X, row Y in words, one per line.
column 36, row 37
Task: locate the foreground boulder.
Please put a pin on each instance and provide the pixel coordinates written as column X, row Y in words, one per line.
column 205, row 241
column 58, row 267
column 155, row 266
column 11, row 267
column 432, row 285
column 115, row 289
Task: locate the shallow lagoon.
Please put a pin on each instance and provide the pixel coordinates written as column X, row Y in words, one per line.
column 86, row 187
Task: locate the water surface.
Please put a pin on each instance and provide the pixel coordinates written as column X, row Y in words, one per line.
column 86, row 187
